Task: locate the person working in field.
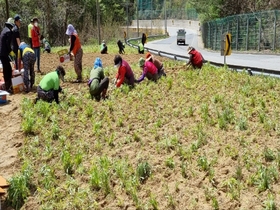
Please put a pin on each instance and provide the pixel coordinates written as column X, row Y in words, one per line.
column 121, row 47
column 49, row 86
column 98, row 83
column 28, row 58
column 195, row 60
column 46, row 44
column 157, row 63
column 125, row 74
column 103, row 48
column 149, row 70
column 76, row 49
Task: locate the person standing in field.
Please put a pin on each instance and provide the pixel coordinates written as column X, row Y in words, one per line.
column 6, row 51
column 121, row 47
column 49, row 86
column 27, row 55
column 16, row 39
column 76, row 49
column 196, row 59
column 29, row 28
column 125, row 74
column 157, row 63
column 98, row 83
column 140, row 48
column 35, row 34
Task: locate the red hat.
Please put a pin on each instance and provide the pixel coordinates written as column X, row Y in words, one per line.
column 148, row 56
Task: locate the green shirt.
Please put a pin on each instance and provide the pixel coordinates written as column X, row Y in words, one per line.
column 50, row 81
column 30, row 26
column 97, row 73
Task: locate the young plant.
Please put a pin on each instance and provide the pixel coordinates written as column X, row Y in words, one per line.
column 67, row 162
column 233, row 188
column 202, row 162
column 18, row 190
column 268, row 154
column 270, row 203
column 143, row 171
column 153, row 202
column 169, row 162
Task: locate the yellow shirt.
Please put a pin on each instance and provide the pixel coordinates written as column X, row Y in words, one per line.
column 30, row 26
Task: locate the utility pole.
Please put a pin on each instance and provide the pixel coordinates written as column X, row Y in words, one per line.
column 98, row 21
column 7, row 9
column 165, row 18
column 137, row 16
column 151, row 16
column 127, row 18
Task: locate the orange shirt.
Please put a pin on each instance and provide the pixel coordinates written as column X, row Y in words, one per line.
column 77, row 44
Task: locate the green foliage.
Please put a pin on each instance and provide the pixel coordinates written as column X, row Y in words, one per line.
column 268, row 154
column 86, row 154
column 67, row 162
column 143, row 171
column 19, row 188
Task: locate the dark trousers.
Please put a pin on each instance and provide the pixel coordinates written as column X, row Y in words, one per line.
column 153, row 77
column 16, row 58
column 30, row 42
column 7, row 71
column 104, row 50
column 28, row 65
column 104, row 84
column 37, row 54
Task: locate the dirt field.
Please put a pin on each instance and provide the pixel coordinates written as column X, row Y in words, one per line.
column 211, row 138
column 12, row 137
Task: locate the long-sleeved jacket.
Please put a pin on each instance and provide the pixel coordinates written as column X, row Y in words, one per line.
column 148, row 67
column 5, row 41
column 35, row 34
column 125, row 72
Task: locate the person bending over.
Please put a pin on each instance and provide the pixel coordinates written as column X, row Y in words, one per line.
column 149, row 70
column 49, row 86
column 125, row 73
column 98, row 83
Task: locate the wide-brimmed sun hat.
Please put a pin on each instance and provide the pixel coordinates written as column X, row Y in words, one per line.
column 70, row 30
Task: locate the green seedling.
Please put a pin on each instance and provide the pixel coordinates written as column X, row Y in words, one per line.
column 143, row 171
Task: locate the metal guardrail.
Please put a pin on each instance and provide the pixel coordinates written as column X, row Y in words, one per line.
column 251, row 70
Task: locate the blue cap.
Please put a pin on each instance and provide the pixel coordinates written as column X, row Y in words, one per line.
column 17, row 17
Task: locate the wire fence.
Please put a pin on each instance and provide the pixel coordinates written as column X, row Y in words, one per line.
column 255, row 31
column 182, row 14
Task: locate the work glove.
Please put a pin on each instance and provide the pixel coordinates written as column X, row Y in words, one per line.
column 12, row 54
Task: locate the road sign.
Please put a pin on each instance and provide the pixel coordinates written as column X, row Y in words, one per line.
column 226, row 44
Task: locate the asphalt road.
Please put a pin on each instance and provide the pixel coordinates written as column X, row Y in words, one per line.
column 193, row 39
